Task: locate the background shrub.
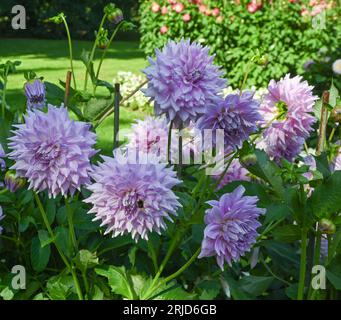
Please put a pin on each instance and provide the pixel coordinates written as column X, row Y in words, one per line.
column 277, row 29
column 83, row 17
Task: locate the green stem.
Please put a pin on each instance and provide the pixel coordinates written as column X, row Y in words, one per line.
column 317, row 252
column 332, row 134
column 105, row 52
column 72, row 234
column 182, row 269
column 107, row 112
column 153, row 255
column 301, row 284
column 52, row 235
column 86, row 283
column 171, row 248
column 335, row 243
column 248, row 67
column 70, row 50
column 316, row 261
column 92, row 54
column 273, row 274
column 226, row 169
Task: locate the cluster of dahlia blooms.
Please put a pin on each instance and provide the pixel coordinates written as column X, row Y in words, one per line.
column 35, row 94
column 231, row 227
column 133, row 198
column 286, row 110
column 52, row 151
column 182, row 81
column 237, row 115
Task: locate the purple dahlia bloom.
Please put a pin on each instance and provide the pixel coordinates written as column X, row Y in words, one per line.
column 286, row 110
column 150, row 136
column 35, row 94
column 1, row 217
column 2, row 161
column 52, row 151
column 133, row 198
column 182, row 80
column 231, row 227
column 236, row 172
column 237, row 115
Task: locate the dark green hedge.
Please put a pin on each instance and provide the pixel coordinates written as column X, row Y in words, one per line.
column 83, row 16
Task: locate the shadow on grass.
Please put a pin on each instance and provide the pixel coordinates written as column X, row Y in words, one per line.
column 40, row 49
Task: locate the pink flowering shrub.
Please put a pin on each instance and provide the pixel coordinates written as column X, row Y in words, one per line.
column 235, row 30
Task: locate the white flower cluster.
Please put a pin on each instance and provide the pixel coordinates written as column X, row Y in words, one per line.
column 258, row 92
column 129, row 82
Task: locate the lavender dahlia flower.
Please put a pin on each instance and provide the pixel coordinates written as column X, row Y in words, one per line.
column 35, row 94
column 237, row 115
column 182, row 81
column 133, row 198
column 52, row 151
column 231, row 227
column 286, row 111
column 150, row 136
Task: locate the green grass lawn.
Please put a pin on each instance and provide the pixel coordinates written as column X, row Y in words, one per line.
column 50, row 59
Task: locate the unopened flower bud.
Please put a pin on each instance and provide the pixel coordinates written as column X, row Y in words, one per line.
column 12, row 183
column 336, row 114
column 263, row 60
column 248, row 160
column 326, row 226
column 115, row 15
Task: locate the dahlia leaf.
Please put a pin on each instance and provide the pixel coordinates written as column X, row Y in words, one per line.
column 255, row 285
column 40, row 256
column 119, row 281
column 326, row 198
column 287, row 233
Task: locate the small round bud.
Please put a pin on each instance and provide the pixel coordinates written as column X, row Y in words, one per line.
column 263, row 60
column 326, row 226
column 248, row 160
column 336, row 114
column 115, row 16
column 12, row 183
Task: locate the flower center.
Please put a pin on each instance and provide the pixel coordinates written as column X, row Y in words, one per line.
column 282, row 109
column 47, row 152
column 229, row 122
column 37, row 98
column 193, row 76
column 131, row 202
